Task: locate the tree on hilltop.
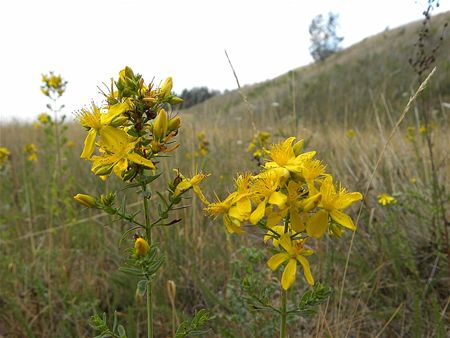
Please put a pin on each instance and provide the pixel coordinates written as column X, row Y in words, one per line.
column 324, row 38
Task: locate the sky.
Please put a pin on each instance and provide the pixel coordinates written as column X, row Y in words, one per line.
column 90, row 41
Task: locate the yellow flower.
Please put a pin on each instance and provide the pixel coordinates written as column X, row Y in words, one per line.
column 141, row 247
column 385, row 199
column 31, row 151
column 233, row 215
column 53, row 84
column 283, row 156
column 97, row 123
column 265, row 191
column 423, row 129
column 332, row 204
column 278, row 229
column 187, row 183
column 119, row 151
column 350, row 133
column 44, row 118
column 86, row 200
column 4, row 155
column 295, row 253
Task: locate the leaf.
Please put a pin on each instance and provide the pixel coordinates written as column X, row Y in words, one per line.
column 141, row 287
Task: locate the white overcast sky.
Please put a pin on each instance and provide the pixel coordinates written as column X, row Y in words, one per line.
column 89, row 41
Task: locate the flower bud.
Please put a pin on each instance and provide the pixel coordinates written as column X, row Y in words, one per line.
column 160, row 125
column 171, row 290
column 298, row 147
column 166, row 87
column 175, row 100
column 141, row 246
column 174, row 123
column 86, row 200
column 102, row 170
column 107, row 199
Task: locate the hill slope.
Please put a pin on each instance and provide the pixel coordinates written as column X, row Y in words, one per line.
column 349, row 85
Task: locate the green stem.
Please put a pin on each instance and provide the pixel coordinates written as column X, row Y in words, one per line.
column 149, row 310
column 148, row 230
column 283, row 314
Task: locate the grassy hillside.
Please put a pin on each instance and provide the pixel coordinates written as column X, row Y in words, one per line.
column 349, row 85
column 59, row 261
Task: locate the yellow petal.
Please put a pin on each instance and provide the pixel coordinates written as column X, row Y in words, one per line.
column 136, row 158
column 115, row 111
column 297, row 220
column 276, row 260
column 232, row 227
column 277, row 198
column 234, row 212
column 286, row 243
column 200, row 195
column 89, row 144
column 306, row 269
column 258, row 213
column 182, row 187
column 120, row 167
column 346, row 200
column 113, row 139
column 245, row 206
column 273, row 218
column 288, row 277
column 343, row 219
column 317, row 224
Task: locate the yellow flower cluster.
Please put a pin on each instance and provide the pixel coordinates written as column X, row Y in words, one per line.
column 385, row 199
column 4, row 155
column 293, row 199
column 132, row 128
column 53, row 85
column 31, row 151
column 203, row 145
column 350, row 133
column 44, row 118
column 259, row 143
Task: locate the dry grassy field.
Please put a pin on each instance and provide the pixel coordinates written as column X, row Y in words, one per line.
column 60, row 261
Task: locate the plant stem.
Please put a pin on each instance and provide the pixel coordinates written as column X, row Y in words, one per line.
column 148, row 230
column 149, row 310
column 283, row 314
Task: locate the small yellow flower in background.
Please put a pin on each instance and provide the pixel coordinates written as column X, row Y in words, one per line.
column 71, row 144
column 53, row 85
column 203, row 145
column 411, row 133
column 350, row 133
column 4, row 156
column 295, row 253
column 86, row 200
column 259, row 143
column 413, row 180
column 44, row 118
column 385, row 199
column 31, row 150
column 141, row 246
